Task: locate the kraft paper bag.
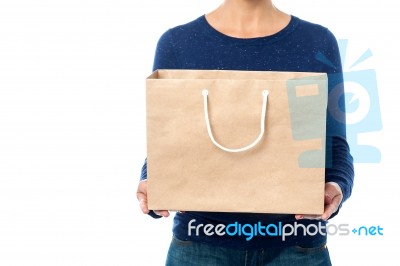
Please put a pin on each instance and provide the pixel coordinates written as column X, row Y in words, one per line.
column 236, row 141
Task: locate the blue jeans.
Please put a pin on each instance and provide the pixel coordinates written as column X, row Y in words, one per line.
column 188, row 253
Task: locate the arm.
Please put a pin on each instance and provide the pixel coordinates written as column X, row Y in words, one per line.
column 339, row 173
column 165, row 58
column 339, row 163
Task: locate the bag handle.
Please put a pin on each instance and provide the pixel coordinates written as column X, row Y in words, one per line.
column 265, row 94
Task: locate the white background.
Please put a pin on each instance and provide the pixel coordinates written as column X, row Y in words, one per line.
column 72, row 128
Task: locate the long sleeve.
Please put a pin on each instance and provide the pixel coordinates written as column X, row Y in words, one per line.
column 164, row 58
column 339, row 162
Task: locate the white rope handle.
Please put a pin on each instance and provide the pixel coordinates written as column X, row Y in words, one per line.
column 262, row 124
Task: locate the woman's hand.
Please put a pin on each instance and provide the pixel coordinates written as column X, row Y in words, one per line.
column 141, row 195
column 333, row 198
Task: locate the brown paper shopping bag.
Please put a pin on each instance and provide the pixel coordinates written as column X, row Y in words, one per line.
column 236, row 141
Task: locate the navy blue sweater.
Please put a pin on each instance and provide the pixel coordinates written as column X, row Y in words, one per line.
column 300, row 46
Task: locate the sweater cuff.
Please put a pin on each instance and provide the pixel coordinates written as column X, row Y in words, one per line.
column 143, row 174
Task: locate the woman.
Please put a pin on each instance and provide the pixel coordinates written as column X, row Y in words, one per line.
column 255, row 35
